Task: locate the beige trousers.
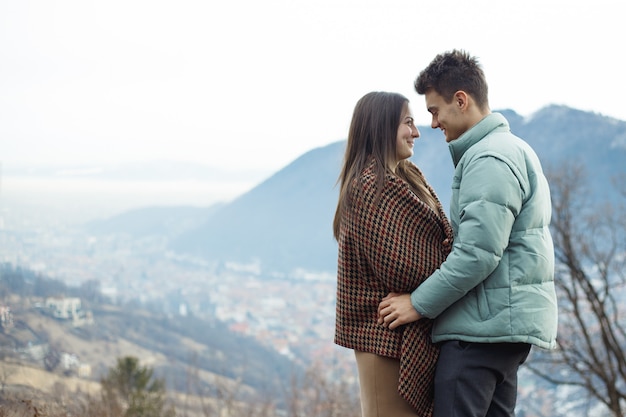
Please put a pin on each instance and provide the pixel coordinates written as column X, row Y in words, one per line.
column 378, row 379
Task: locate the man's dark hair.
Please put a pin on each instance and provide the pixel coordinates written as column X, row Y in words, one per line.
column 452, row 71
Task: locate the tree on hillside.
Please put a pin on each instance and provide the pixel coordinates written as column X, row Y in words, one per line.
column 12, row 280
column 317, row 394
column 131, row 390
column 314, row 394
column 91, row 291
column 590, row 249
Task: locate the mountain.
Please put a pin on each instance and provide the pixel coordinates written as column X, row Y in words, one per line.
column 285, row 223
column 563, row 135
column 282, row 222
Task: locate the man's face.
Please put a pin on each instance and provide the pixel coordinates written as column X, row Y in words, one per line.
column 445, row 116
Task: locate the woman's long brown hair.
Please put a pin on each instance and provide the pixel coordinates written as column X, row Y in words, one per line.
column 372, row 135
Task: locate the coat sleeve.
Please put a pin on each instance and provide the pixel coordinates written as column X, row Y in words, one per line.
column 402, row 238
column 489, row 199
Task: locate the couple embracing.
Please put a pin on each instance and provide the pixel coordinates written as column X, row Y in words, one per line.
column 439, row 311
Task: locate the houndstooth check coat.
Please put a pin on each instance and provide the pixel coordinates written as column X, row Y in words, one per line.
column 391, row 245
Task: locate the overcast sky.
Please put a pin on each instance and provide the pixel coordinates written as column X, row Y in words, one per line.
column 251, row 84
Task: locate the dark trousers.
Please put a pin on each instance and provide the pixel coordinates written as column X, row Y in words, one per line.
column 478, row 379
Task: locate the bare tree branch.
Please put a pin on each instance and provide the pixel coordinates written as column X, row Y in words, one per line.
column 590, row 251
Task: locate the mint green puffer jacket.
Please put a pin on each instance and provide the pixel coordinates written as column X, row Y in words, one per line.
column 497, row 284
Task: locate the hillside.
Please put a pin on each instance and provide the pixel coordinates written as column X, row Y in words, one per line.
column 176, row 347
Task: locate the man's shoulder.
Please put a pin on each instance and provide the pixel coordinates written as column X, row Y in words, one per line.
column 502, row 144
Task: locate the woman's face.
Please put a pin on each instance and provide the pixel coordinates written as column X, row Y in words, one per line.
column 407, row 133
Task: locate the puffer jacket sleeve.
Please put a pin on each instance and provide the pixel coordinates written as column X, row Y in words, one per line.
column 489, row 198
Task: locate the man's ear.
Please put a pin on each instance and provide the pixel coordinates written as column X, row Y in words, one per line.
column 461, row 99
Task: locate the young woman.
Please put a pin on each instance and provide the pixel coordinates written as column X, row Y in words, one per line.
column 392, row 233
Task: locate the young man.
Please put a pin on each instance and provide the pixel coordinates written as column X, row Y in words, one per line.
column 493, row 297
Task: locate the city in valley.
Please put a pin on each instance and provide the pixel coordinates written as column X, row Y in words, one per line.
column 291, row 313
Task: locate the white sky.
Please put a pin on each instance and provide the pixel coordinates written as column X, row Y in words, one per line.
column 253, row 84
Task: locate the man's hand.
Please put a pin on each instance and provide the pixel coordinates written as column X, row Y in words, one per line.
column 395, row 310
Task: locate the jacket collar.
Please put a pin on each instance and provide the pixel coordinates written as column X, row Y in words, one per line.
column 489, row 123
